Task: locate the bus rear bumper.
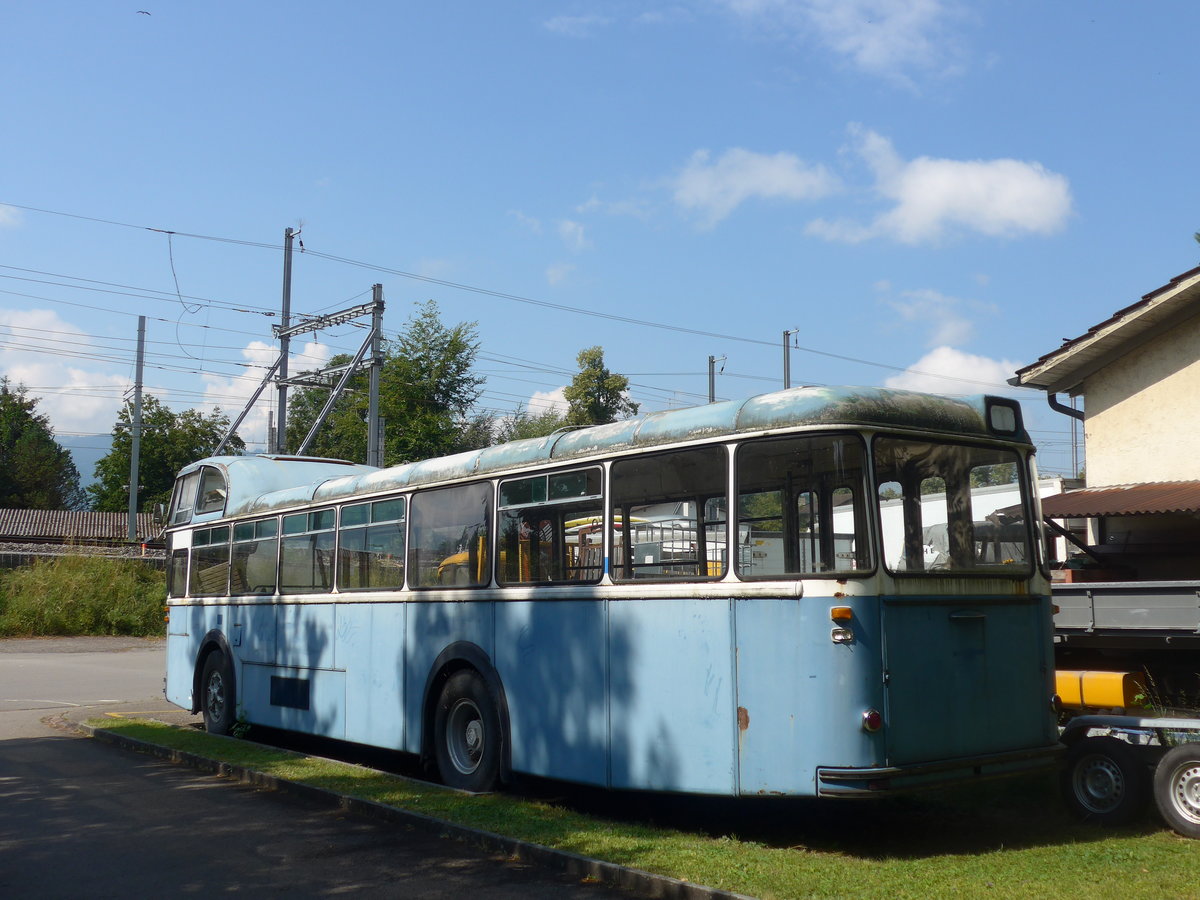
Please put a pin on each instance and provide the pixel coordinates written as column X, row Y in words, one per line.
column 836, row 782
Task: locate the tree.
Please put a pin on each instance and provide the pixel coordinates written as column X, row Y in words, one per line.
column 523, row 424
column 170, row 441
column 35, row 471
column 596, row 396
column 426, row 390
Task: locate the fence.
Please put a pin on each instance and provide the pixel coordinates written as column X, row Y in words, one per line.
column 17, row 559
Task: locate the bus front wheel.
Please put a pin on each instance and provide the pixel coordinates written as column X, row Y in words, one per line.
column 216, row 693
column 1177, row 789
column 467, row 734
column 1104, row 781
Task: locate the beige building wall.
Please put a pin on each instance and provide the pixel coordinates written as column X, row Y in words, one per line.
column 1143, row 412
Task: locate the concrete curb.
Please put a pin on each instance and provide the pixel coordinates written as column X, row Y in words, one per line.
column 612, row 874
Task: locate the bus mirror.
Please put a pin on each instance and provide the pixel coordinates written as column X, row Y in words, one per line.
column 159, row 515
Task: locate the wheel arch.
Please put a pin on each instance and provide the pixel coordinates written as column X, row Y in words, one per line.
column 214, row 640
column 457, row 657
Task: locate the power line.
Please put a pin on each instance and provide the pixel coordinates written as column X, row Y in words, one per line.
column 518, row 298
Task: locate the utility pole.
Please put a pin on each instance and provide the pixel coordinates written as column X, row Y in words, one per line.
column 787, row 357
column 374, row 445
column 712, row 376
column 136, row 430
column 285, row 321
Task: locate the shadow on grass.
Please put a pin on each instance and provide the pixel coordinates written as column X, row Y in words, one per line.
column 1011, row 813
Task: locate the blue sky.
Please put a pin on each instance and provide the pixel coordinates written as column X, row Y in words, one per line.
column 932, row 192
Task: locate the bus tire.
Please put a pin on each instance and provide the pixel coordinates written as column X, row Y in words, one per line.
column 1177, row 789
column 466, row 733
column 1104, row 781
column 217, row 694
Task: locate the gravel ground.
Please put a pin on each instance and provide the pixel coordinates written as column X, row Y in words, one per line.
column 89, row 644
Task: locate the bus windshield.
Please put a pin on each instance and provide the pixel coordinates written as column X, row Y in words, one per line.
column 951, row 509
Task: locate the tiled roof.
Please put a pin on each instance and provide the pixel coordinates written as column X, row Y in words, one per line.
column 70, row 525
column 1064, row 368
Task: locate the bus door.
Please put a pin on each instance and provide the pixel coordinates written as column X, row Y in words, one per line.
column 956, row 672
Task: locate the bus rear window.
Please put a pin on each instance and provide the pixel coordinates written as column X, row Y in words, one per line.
column 951, row 509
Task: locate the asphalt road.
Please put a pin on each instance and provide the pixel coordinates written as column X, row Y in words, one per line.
column 79, row 818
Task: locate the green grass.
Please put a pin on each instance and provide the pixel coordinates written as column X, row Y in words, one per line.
column 82, row 595
column 1002, row 839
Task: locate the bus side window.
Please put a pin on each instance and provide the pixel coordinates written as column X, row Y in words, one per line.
column 800, row 507
column 669, row 515
column 255, row 550
column 210, row 562
column 371, row 546
column 549, row 528
column 177, row 573
column 306, row 552
column 448, row 541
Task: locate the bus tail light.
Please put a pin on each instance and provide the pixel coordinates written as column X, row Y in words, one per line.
column 872, row 720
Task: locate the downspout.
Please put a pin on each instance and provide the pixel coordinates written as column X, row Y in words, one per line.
column 1057, row 406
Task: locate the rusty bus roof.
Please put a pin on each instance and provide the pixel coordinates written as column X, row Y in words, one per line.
column 260, row 483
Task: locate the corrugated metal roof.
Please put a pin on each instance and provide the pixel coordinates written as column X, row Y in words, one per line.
column 68, row 525
column 1125, row 500
column 1065, row 368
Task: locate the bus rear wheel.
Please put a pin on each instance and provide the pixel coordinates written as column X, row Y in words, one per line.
column 466, row 733
column 1104, row 781
column 1177, row 789
column 217, row 696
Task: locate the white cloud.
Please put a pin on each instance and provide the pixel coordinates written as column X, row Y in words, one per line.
column 573, row 235
column 9, row 217
column 932, row 197
column 883, row 36
column 534, row 225
column 432, row 267
column 667, row 16
column 558, row 273
column 714, row 189
column 945, row 370
column 939, row 314
column 889, row 38
column 230, row 393
column 75, row 399
column 576, row 26
column 545, row 401
column 635, row 207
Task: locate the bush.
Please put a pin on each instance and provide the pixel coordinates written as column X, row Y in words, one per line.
column 74, row 595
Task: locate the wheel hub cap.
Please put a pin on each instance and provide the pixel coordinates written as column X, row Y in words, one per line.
column 1187, row 793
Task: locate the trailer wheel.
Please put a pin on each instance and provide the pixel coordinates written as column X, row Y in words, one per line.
column 1104, row 781
column 1177, row 789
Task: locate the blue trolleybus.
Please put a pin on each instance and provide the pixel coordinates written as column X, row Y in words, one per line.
column 811, row 592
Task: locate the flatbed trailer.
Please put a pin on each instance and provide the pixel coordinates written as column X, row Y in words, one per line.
column 1114, row 764
column 1128, row 615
